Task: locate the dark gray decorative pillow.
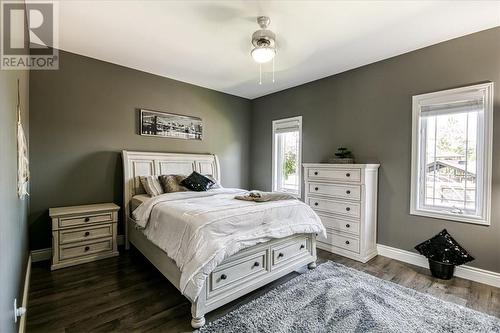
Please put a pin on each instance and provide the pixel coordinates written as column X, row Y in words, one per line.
column 172, row 183
column 151, row 185
column 197, row 182
column 215, row 182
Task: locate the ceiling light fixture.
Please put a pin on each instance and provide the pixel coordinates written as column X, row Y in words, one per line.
column 264, row 42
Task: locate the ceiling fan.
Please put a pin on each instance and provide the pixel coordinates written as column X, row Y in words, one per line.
column 264, row 44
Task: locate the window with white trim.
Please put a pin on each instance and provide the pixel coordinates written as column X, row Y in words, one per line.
column 452, row 153
column 287, row 155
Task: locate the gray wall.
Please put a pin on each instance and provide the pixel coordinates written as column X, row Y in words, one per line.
column 85, row 113
column 14, row 223
column 369, row 110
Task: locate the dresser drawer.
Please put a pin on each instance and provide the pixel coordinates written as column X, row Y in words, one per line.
column 227, row 275
column 331, row 222
column 344, row 175
column 83, row 234
column 352, row 192
column 351, row 209
column 339, row 240
column 282, row 253
column 85, row 248
column 81, row 220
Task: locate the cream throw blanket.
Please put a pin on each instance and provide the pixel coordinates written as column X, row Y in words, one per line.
column 259, row 196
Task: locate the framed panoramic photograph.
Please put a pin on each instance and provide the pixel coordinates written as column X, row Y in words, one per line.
column 169, row 125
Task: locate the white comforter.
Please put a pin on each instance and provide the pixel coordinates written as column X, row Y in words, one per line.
column 198, row 230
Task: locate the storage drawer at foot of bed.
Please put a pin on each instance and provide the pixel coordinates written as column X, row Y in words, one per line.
column 238, row 271
column 282, row 253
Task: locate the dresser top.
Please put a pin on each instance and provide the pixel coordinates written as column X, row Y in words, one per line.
column 341, row 166
column 70, row 210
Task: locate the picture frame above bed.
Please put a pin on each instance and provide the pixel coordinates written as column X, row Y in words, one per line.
column 170, row 125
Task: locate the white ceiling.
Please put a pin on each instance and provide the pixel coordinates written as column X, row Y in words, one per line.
column 207, row 43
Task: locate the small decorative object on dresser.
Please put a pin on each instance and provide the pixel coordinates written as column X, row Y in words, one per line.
column 83, row 233
column 345, row 198
column 342, row 156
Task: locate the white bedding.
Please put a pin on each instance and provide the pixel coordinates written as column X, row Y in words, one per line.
column 198, row 230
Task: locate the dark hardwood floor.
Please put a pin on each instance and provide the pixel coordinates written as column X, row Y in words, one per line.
column 127, row 294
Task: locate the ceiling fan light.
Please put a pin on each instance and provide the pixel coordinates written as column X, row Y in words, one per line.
column 263, row 54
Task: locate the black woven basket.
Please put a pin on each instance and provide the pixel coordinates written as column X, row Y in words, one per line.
column 441, row 270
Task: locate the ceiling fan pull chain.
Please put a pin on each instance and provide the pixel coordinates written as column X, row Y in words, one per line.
column 273, row 70
column 260, row 73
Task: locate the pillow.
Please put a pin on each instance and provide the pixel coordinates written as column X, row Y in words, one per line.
column 172, row 183
column 197, row 182
column 151, row 185
column 215, row 184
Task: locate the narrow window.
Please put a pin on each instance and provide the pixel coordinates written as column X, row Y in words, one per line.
column 287, row 155
column 451, row 154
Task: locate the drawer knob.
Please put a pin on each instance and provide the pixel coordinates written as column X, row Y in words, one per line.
column 347, row 242
column 315, row 204
column 316, row 188
column 256, row 264
column 280, row 255
column 348, row 208
column 347, row 225
column 87, row 233
column 348, row 192
column 87, row 248
column 87, row 219
column 315, row 173
column 223, row 277
column 348, row 174
column 302, row 246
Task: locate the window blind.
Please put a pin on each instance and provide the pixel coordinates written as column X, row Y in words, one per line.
column 292, row 125
column 473, row 105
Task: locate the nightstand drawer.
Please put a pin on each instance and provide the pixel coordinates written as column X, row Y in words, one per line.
column 82, row 234
column 81, row 220
column 85, row 248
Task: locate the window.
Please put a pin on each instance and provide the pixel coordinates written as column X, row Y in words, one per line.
column 451, row 154
column 287, row 155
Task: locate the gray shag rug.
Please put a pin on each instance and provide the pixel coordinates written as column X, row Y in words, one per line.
column 335, row 298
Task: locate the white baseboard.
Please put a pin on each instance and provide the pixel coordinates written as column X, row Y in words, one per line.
column 464, row 271
column 46, row 254
column 27, row 278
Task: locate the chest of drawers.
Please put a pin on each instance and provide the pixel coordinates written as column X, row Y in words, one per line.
column 83, row 233
column 345, row 198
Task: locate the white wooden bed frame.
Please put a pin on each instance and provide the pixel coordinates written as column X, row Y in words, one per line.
column 237, row 275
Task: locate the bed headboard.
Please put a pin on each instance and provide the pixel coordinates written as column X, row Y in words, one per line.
column 139, row 163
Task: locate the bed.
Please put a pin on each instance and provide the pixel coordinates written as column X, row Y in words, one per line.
column 231, row 277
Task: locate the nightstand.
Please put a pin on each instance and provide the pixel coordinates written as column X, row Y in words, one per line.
column 82, row 234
